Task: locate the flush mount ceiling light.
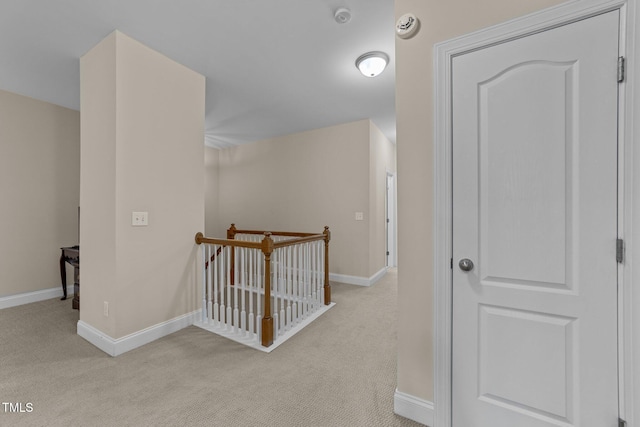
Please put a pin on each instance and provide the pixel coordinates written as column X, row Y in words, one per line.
column 372, row 63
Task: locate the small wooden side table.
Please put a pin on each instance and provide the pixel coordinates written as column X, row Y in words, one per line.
column 71, row 255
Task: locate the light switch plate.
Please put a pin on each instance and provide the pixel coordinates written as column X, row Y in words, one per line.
column 139, row 219
column 359, row 216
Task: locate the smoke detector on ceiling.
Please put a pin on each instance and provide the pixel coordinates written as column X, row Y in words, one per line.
column 342, row 15
column 407, row 26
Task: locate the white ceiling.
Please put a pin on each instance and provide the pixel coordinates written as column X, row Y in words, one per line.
column 273, row 67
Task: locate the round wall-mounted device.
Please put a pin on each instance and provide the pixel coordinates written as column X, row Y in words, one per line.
column 342, row 15
column 407, row 26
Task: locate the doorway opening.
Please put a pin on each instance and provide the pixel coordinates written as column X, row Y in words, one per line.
column 390, row 222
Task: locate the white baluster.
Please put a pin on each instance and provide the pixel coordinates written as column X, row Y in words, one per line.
column 315, row 275
column 319, row 251
column 288, row 276
column 243, row 312
column 259, row 302
column 282, row 284
column 204, row 285
column 294, row 285
column 274, row 293
column 209, row 285
column 321, row 268
column 216, row 272
column 311, row 265
column 307, row 268
column 227, row 269
column 312, row 277
column 223, row 276
column 309, row 276
column 300, row 281
column 251, row 291
column 301, row 285
column 236, row 279
column 316, row 289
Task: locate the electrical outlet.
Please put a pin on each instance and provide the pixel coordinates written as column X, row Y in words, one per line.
column 106, row 309
column 359, row 216
column 139, row 219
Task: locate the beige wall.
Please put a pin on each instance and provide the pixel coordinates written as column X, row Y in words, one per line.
column 98, row 184
column 142, row 150
column 39, row 189
column 304, row 181
column 211, row 200
column 440, row 21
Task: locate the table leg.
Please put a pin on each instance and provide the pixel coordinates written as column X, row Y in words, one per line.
column 75, row 303
column 63, row 276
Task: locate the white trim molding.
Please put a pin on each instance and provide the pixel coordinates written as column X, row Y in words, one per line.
column 391, row 202
column 413, row 408
column 116, row 347
column 29, row 297
column 629, row 216
column 358, row 280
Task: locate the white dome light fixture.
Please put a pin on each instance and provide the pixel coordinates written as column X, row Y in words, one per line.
column 372, row 64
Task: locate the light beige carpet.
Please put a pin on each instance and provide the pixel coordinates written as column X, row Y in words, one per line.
column 339, row 371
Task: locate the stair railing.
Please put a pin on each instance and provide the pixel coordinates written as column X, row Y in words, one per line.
column 258, row 285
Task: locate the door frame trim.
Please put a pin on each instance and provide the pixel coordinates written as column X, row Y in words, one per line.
column 391, row 203
column 629, row 190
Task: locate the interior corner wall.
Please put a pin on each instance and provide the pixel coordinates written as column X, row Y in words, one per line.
column 302, row 182
column 440, row 21
column 40, row 190
column 142, row 150
column 382, row 161
column 97, row 183
column 212, row 227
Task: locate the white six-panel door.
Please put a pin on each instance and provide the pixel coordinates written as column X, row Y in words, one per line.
column 534, row 209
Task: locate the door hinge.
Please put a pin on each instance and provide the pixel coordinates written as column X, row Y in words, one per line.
column 622, row 423
column 387, row 253
column 451, row 263
column 619, row 250
column 621, row 69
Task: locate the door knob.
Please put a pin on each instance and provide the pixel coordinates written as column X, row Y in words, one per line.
column 465, row 264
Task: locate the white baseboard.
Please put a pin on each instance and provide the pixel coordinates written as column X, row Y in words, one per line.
column 414, row 408
column 116, row 347
column 252, row 340
column 29, row 297
column 357, row 280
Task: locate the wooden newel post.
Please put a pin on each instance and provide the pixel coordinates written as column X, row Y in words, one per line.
column 267, row 320
column 327, row 285
column 199, row 237
column 231, row 232
column 231, row 235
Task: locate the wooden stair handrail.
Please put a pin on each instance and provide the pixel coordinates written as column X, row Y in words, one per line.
column 227, row 242
column 232, row 231
column 298, row 240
